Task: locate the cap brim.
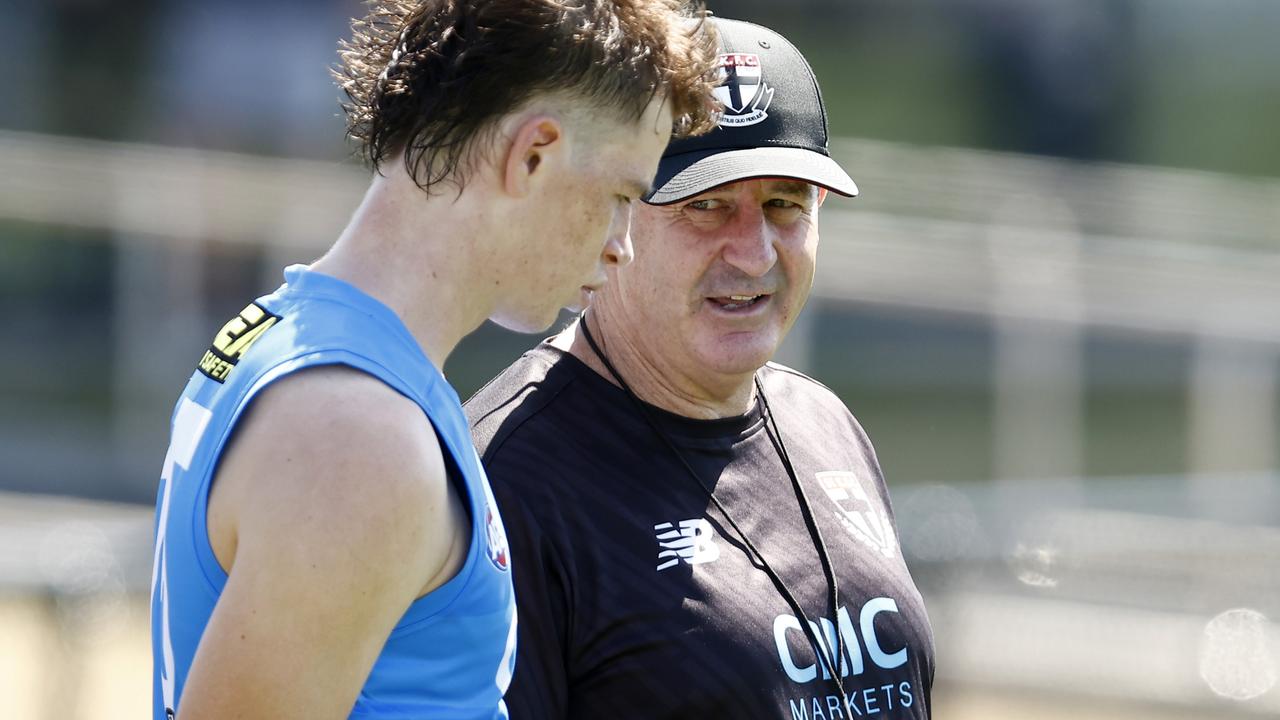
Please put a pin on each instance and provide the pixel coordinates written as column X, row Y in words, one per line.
column 688, row 174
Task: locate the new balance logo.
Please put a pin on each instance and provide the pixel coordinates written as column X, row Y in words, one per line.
column 692, row 542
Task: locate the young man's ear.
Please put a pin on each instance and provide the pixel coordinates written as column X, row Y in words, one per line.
column 536, row 141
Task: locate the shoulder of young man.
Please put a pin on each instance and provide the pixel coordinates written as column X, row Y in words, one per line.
column 332, row 454
column 335, row 494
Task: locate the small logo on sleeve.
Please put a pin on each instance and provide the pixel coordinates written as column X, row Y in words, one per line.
column 693, row 541
column 234, row 339
column 499, row 552
column 863, row 519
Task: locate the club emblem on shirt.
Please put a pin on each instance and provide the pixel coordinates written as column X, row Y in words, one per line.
column 498, row 551
column 742, row 90
column 693, row 541
column 863, row 519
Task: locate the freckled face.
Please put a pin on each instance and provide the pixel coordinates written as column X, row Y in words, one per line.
column 718, row 279
column 583, row 217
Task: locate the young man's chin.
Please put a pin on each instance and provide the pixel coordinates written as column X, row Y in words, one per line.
column 526, row 320
column 581, row 301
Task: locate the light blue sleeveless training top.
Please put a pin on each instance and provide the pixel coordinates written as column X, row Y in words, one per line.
column 452, row 653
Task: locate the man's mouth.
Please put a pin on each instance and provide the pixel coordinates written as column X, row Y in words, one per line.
column 738, row 302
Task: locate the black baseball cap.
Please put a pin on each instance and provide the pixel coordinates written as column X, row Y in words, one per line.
column 774, row 123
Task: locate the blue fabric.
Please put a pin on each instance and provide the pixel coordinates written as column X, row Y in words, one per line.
column 452, row 653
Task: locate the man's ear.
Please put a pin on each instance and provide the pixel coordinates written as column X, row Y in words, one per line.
column 822, row 196
column 538, row 141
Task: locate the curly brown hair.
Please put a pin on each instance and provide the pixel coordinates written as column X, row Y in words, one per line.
column 425, row 78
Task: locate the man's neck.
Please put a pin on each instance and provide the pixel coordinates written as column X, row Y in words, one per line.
column 393, row 250
column 653, row 381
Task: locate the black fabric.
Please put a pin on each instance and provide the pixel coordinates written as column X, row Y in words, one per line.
column 582, row 481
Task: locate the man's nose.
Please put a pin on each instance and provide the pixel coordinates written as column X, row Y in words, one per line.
column 750, row 246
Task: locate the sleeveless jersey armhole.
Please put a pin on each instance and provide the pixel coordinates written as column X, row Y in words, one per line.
column 424, row 608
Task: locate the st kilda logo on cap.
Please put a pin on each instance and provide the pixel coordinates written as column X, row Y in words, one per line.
column 742, row 90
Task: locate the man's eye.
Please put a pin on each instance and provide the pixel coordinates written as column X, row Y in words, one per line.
column 781, row 203
column 702, row 205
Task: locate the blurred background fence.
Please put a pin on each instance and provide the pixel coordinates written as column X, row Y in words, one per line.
column 1066, row 350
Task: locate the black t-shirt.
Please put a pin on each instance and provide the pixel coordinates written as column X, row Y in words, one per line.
column 637, row 599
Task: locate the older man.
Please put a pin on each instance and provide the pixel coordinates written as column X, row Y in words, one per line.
column 698, row 533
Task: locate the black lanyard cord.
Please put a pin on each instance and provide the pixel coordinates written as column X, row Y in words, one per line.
column 806, row 511
column 809, row 628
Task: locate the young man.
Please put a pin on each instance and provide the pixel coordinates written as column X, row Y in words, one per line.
column 696, row 532
column 327, row 545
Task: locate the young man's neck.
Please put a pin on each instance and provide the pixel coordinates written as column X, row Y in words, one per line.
column 700, row 398
column 417, row 255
